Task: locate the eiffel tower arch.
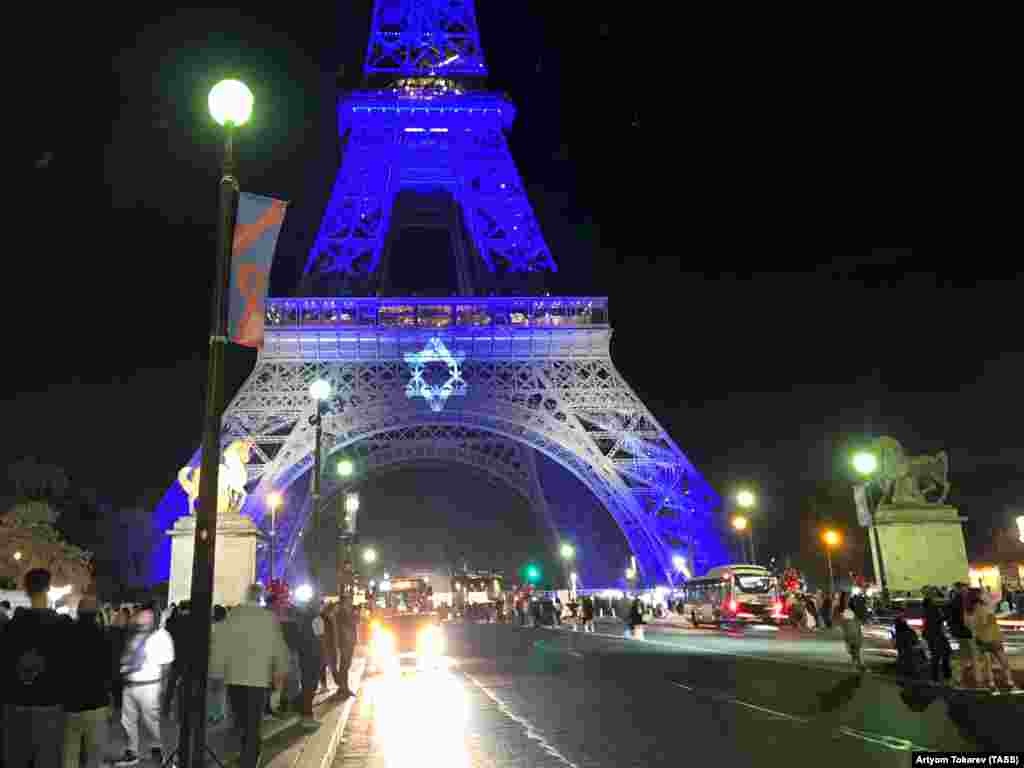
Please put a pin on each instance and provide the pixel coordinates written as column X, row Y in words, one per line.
column 492, row 369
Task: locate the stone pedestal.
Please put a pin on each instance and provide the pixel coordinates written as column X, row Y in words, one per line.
column 920, row 546
column 234, row 567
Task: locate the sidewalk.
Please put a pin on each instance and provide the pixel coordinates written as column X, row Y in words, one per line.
column 286, row 744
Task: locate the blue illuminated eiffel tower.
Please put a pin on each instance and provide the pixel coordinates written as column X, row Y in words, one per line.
column 486, row 377
column 424, row 145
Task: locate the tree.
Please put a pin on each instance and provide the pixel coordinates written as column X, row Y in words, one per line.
column 26, row 543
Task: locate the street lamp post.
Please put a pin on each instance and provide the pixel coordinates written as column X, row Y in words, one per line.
column 273, row 501
column 319, row 390
column 568, row 552
column 346, row 543
column 747, row 501
column 740, row 524
column 831, row 539
column 230, row 103
column 866, row 465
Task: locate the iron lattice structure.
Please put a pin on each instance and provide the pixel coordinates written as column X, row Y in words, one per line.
column 421, row 37
column 483, row 381
column 535, row 372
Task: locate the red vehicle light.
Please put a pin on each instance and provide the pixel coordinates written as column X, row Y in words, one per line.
column 733, row 605
column 915, row 622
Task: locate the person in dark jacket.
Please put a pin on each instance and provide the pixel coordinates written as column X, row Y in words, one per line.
column 636, row 619
column 910, row 655
column 87, row 689
column 175, row 623
column 35, row 661
column 935, row 635
column 962, row 633
column 827, row 610
column 310, row 659
column 588, row 614
column 347, row 629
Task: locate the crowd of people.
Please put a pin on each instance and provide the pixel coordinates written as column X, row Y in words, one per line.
column 966, row 614
column 66, row 682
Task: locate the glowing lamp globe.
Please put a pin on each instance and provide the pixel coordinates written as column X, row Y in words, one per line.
column 739, row 523
column 231, row 102
column 831, row 538
column 345, row 468
column 370, row 556
column 568, row 551
column 304, row 593
column 865, row 463
column 320, row 389
column 274, row 500
column 746, row 499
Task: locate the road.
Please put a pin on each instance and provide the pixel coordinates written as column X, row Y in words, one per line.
column 526, row 698
column 783, row 644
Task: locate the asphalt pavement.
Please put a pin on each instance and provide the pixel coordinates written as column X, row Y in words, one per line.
column 532, row 698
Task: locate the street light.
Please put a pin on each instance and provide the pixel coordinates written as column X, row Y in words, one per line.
column 740, row 523
column 370, row 556
column 319, row 391
column 346, row 541
column 568, row 552
column 230, row 104
column 865, row 464
column 747, row 500
column 680, row 564
column 346, row 468
column 273, row 501
column 17, row 555
column 831, row 539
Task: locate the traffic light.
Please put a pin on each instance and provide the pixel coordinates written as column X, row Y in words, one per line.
column 532, row 574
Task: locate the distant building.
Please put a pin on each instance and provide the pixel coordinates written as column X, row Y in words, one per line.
column 1000, row 565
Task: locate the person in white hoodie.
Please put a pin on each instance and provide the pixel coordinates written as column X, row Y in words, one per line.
column 249, row 654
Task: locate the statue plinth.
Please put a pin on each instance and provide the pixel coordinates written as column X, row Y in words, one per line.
column 234, row 566
column 922, row 544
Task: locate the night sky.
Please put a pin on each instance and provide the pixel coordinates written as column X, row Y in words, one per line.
column 713, row 183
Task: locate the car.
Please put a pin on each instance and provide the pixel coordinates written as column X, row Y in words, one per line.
column 403, row 641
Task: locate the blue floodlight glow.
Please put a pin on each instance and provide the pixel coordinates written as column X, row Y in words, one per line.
column 435, row 395
column 426, row 120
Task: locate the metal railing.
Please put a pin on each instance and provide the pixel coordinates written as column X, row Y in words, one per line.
column 437, row 313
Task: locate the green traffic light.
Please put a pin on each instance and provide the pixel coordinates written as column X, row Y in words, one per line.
column 533, row 573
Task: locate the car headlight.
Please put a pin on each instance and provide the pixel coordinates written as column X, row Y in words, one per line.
column 430, row 641
column 382, row 644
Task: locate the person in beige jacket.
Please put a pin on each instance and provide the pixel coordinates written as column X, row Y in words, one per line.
column 249, row 654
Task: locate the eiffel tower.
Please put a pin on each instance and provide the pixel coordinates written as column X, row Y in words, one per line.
column 487, row 373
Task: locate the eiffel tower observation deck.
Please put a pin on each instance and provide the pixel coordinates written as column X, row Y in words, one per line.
column 423, row 305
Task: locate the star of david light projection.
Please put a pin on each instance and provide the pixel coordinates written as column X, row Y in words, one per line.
column 436, row 396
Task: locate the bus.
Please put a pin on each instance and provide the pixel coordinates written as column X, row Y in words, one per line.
column 404, row 594
column 733, row 594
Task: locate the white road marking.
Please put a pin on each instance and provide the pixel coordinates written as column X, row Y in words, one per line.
column 528, row 727
column 882, row 740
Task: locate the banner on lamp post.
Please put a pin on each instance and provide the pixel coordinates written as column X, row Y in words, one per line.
column 257, row 227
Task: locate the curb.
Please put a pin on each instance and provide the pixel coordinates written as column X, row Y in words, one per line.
column 321, row 746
